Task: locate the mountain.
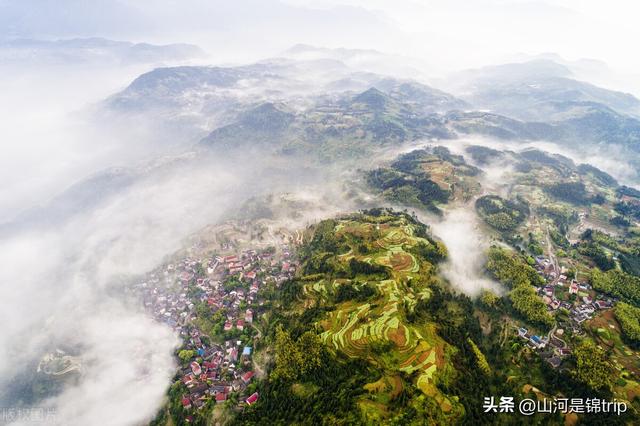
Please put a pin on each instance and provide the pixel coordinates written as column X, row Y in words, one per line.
column 538, row 90
column 498, row 126
column 540, row 100
column 421, row 96
column 362, row 318
column 397, row 109
column 187, row 103
column 349, row 126
column 584, row 69
column 369, row 60
column 81, row 197
column 545, row 98
column 517, row 71
column 369, row 296
column 94, row 50
column 261, row 126
column 267, row 117
column 168, row 85
column 372, row 99
column 588, row 121
column 407, row 111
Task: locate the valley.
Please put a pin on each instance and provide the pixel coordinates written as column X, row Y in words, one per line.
column 310, row 241
column 374, row 292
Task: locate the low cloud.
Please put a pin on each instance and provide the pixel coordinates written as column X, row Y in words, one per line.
column 67, row 293
column 72, row 279
column 613, row 159
column 459, row 230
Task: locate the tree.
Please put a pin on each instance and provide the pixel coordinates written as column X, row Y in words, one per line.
column 185, row 355
column 629, row 318
column 285, row 356
column 527, row 303
column 309, row 349
column 483, row 365
column 593, row 367
column 511, row 269
column 618, row 284
column 502, row 214
column 489, row 298
column 572, row 192
column 295, row 358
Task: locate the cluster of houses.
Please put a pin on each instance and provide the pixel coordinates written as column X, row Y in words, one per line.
column 536, row 342
column 231, row 284
column 583, row 307
column 215, row 372
column 553, row 349
column 252, row 270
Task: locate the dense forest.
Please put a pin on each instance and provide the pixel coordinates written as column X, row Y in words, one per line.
column 619, row 284
column 513, row 271
column 423, row 178
column 501, row 214
column 629, row 318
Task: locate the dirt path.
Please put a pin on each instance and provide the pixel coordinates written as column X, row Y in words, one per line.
column 552, row 258
column 259, row 336
column 551, row 335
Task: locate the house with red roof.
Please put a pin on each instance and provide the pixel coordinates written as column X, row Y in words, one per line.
column 186, row 403
column 188, row 380
column 233, row 355
column 253, row 398
column 235, row 270
column 246, row 377
column 195, row 368
column 573, row 289
column 221, row 397
column 229, row 259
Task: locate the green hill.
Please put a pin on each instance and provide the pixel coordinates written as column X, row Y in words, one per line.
column 370, row 294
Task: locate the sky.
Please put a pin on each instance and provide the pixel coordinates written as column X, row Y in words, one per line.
column 457, row 33
column 489, row 29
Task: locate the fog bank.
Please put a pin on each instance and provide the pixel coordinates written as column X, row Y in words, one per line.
column 459, row 230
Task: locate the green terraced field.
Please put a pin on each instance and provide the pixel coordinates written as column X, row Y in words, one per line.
column 377, row 330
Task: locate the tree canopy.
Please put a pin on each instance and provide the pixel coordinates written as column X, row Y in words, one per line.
column 593, row 367
column 629, row 318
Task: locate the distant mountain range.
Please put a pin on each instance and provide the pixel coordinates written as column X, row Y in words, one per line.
column 531, row 100
column 538, row 90
column 325, row 111
column 93, row 50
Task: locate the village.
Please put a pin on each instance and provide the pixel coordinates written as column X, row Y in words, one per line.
column 213, row 303
column 560, row 293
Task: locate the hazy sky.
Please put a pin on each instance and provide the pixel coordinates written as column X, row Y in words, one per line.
column 449, row 32
column 484, row 30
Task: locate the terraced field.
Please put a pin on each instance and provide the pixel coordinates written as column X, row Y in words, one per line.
column 605, row 330
column 377, row 329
